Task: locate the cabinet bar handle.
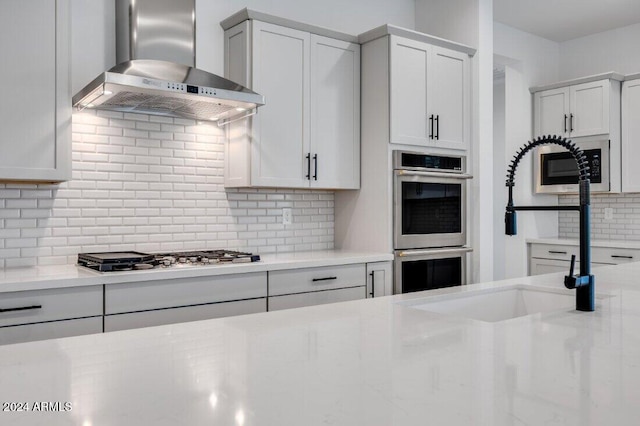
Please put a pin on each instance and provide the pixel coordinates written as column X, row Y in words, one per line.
column 21, row 308
column 431, row 126
column 571, row 122
column 557, row 252
column 315, row 166
column 565, row 123
column 308, row 157
column 324, row 279
column 437, row 127
column 618, row 256
column 373, row 284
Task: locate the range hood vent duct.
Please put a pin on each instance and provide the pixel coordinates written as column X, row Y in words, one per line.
column 155, row 48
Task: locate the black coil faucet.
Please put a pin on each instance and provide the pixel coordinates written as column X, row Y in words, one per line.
column 584, row 282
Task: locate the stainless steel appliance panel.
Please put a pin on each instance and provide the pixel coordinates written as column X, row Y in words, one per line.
column 429, row 209
column 420, row 270
column 555, row 169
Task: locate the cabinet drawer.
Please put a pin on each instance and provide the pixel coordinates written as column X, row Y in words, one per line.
column 27, row 307
column 614, row 255
column 316, row 298
column 50, row 330
column 188, row 313
column 553, row 251
column 160, row 294
column 315, row 279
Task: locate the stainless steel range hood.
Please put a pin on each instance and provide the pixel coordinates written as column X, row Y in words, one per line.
column 156, row 75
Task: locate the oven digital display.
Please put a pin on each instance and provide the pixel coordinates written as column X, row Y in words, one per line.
column 436, row 162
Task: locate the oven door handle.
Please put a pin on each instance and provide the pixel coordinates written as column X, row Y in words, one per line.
column 433, row 174
column 453, row 250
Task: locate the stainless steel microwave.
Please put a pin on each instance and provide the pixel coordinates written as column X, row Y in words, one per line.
column 556, row 172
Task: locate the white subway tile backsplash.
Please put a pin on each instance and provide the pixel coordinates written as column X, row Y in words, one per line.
column 624, row 225
column 155, row 184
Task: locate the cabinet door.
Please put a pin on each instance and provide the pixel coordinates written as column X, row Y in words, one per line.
column 551, row 112
column 547, row 266
column 300, row 300
column 410, row 123
column 35, row 106
column 50, row 330
column 379, row 279
column 335, row 113
column 590, row 108
column 449, row 98
column 630, row 136
column 281, row 128
column 183, row 314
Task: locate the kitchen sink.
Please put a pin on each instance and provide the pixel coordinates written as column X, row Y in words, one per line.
column 497, row 304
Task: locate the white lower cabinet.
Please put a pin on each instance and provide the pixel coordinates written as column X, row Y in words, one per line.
column 313, row 286
column 157, row 302
column 379, row 279
column 300, row 300
column 50, row 330
column 548, row 258
column 51, row 313
column 183, row 314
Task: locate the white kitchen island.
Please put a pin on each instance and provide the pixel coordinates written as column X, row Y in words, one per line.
column 368, row 362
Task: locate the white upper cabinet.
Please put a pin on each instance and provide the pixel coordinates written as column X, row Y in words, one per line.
column 589, row 113
column 552, row 112
column 335, row 113
column 630, row 135
column 280, row 72
column 35, row 106
column 429, row 95
column 308, row 133
column 575, row 110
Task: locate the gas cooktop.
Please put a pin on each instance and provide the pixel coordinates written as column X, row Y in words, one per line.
column 132, row 260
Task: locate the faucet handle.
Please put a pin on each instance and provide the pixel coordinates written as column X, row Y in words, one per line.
column 573, row 264
column 570, row 280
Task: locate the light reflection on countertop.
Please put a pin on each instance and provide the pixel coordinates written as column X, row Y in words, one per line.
column 368, row 362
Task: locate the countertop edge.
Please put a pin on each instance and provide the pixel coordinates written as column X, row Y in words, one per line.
column 594, row 243
column 66, row 276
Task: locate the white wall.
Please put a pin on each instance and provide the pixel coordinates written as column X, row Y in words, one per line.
column 615, row 50
column 471, row 22
column 499, row 199
column 530, row 61
column 455, row 20
column 92, row 40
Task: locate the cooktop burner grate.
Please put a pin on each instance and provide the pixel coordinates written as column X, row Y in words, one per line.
column 124, row 261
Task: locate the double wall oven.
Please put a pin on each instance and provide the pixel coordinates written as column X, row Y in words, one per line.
column 430, row 215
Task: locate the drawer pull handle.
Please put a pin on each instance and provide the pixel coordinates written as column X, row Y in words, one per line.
column 557, row 252
column 618, row 256
column 324, row 279
column 21, row 308
column 373, row 284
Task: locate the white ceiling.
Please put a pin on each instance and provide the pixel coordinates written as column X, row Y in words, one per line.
column 562, row 20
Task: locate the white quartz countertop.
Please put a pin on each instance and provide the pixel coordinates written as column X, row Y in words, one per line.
column 369, row 362
column 594, row 243
column 43, row 277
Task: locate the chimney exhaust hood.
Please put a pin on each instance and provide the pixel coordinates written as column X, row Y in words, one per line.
column 155, row 50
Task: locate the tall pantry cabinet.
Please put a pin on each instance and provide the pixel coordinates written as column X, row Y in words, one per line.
column 308, row 133
column 35, row 106
column 416, row 96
